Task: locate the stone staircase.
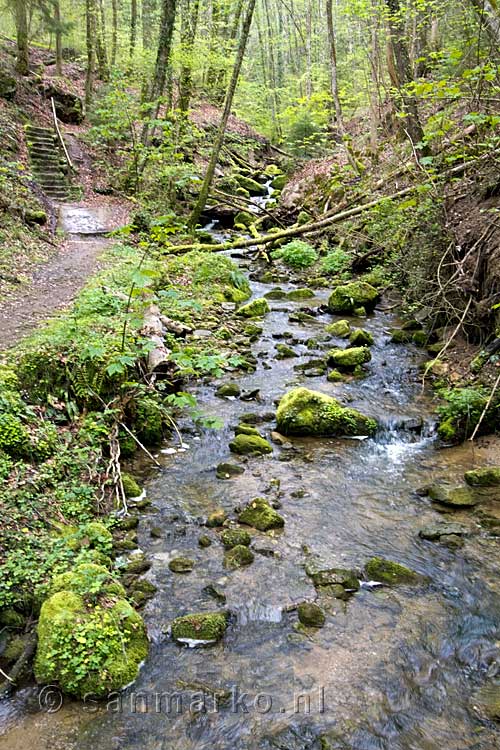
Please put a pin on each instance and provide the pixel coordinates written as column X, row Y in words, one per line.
column 47, row 162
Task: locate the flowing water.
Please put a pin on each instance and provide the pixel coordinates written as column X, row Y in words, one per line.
column 393, row 669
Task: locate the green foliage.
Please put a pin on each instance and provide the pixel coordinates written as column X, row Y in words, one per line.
column 462, row 411
column 335, row 261
column 297, row 254
column 14, row 438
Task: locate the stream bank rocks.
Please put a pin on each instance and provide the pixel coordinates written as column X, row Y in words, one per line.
column 257, row 308
column 306, row 413
column 349, row 359
column 237, row 557
column 311, row 615
column 118, row 633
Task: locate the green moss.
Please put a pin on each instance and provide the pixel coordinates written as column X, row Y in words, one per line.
column 257, row 308
column 235, row 537
column 447, row 430
column 360, row 337
column 279, row 182
column 303, row 412
column 285, row 352
column 205, row 626
column 250, row 445
column 244, row 219
column 348, row 359
column 260, row 515
column 9, row 618
column 386, row 571
column 458, row 497
column 130, row 486
column 311, row 615
column 348, row 297
column 334, row 376
column 253, row 331
column 181, row 565
column 246, row 429
column 489, row 476
column 420, row 338
column 14, row 648
column 329, row 577
column 400, row 336
column 237, row 557
column 227, row 470
column 216, row 518
column 227, row 390
column 341, row 328
column 253, row 187
column 88, row 650
column 204, row 541
column 298, row 294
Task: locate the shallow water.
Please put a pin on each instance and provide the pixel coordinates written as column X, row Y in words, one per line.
column 393, row 669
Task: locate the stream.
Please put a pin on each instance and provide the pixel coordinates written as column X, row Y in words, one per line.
column 393, row 668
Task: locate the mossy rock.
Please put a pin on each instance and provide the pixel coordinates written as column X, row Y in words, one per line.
column 285, row 352
column 435, row 531
column 87, row 578
column 279, row 182
column 235, row 537
column 253, row 187
column 227, row 470
column 391, row 573
column 130, row 486
column 400, row 336
column 9, row 618
column 228, row 390
column 455, row 497
column 246, row 429
column 335, row 376
column 244, row 219
column 351, row 296
column 203, row 627
column 420, row 338
column 329, row 577
column 216, row 518
column 237, row 557
column 204, row 541
column 348, row 359
column 181, row 565
column 250, row 445
column 253, row 331
column 489, row 476
column 88, row 651
column 298, row 294
column 311, row 615
column 303, row 412
column 260, row 515
column 257, row 308
column 341, row 329
column 14, row 648
column 360, row 337
column 276, row 294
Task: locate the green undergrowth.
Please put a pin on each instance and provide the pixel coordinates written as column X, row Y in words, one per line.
column 66, row 391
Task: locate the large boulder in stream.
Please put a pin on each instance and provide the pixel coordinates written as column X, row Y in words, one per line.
column 201, row 628
column 305, row 413
column 257, row 308
column 348, row 359
column 346, row 298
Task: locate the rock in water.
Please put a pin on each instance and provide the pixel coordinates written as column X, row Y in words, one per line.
column 487, row 701
column 455, row 497
column 250, row 445
column 311, row 615
column 348, row 359
column 340, row 328
column 302, row 412
column 261, row 515
column 346, row 298
column 235, row 538
column 237, row 557
column 257, row 308
column 389, row 572
column 489, row 476
column 181, row 565
column 201, row 628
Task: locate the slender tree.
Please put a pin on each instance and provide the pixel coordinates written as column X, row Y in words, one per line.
column 114, row 31
column 189, row 22
column 58, row 34
column 221, row 132
column 91, row 31
column 21, row 11
column 133, row 27
column 332, row 45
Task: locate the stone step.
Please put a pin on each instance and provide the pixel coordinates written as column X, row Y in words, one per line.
column 39, row 149
column 37, row 130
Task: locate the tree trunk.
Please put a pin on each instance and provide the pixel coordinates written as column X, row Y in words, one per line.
column 91, row 28
column 412, row 125
column 272, row 72
column 133, row 27
column 22, row 64
column 114, row 33
column 189, row 22
column 162, row 60
column 202, row 198
column 58, row 33
column 148, row 11
column 333, row 67
column 102, row 53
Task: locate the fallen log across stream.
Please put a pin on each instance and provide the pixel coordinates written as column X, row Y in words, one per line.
column 312, row 227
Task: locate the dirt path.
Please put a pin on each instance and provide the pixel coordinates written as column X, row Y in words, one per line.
column 56, row 283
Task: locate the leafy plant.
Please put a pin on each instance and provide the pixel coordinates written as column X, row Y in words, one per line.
column 297, row 254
